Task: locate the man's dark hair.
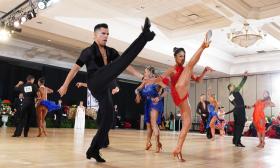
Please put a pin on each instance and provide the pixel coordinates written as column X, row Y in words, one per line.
column 42, row 80
column 99, row 26
column 229, row 86
column 30, row 77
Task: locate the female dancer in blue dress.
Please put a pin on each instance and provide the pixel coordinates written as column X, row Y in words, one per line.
column 213, row 121
column 153, row 107
column 43, row 106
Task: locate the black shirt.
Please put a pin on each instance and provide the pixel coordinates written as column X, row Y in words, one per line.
column 201, row 110
column 18, row 104
column 92, row 57
column 29, row 90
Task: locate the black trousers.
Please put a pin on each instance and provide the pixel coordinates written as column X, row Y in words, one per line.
column 25, row 118
column 99, row 85
column 204, row 121
column 58, row 114
column 239, row 123
column 104, row 121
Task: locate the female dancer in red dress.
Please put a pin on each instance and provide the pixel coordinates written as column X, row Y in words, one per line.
column 179, row 78
column 259, row 117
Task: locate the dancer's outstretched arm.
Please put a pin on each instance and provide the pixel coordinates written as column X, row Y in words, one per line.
column 201, row 76
column 230, row 111
column 134, row 72
column 238, row 88
column 74, row 70
column 271, row 104
column 49, row 90
column 163, row 80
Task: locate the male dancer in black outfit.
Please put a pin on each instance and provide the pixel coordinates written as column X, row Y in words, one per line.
column 239, row 112
column 103, row 66
column 29, row 90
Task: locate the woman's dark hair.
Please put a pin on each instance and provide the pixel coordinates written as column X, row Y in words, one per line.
column 177, row 50
column 42, row 80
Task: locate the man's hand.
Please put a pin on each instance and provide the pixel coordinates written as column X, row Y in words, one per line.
column 138, row 99
column 115, row 90
column 62, row 90
column 79, row 84
column 155, row 100
column 19, row 83
column 245, row 73
column 209, row 69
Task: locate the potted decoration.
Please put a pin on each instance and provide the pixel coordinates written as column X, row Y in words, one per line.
column 5, row 111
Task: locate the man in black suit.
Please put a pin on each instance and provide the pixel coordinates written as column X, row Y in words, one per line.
column 17, row 108
column 202, row 110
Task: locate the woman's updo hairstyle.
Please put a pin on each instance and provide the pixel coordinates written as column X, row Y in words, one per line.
column 177, row 50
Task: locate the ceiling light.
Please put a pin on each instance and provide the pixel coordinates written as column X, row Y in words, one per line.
column 245, row 37
column 42, row 4
column 4, row 35
column 23, row 19
column 16, row 23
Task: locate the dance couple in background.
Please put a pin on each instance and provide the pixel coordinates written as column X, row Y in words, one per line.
column 30, row 93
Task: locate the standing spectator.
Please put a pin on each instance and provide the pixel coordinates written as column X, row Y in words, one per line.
column 17, row 108
column 202, row 110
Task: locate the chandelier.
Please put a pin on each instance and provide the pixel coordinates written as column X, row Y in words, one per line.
column 246, row 37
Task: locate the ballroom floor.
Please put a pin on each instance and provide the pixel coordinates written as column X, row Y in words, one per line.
column 65, row 148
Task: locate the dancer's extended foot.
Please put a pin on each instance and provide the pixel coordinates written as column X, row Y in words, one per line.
column 148, row 34
column 148, row 146
column 177, row 153
column 159, row 147
column 96, row 156
column 147, row 25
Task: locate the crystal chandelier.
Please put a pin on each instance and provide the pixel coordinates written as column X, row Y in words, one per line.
column 246, row 37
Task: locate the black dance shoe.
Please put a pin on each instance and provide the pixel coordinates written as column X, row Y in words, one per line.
column 239, row 145
column 15, row 136
column 147, row 25
column 96, row 156
column 148, row 34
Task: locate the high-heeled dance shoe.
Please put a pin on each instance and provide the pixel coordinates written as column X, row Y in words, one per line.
column 159, row 147
column 178, row 155
column 148, row 146
column 96, row 156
